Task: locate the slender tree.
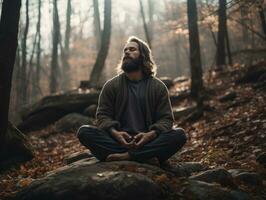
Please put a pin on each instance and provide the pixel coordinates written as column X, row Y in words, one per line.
column 65, row 51
column 54, row 61
column 195, row 59
column 145, row 24
column 262, row 19
column 221, row 33
column 97, row 24
column 23, row 72
column 36, row 81
column 8, row 39
column 105, row 41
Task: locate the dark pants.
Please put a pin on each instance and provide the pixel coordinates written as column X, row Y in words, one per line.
column 101, row 144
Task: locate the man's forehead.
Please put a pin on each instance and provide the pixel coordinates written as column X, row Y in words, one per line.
column 131, row 44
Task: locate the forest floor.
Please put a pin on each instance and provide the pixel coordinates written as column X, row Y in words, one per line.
column 230, row 134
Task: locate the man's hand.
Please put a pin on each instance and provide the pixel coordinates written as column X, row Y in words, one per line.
column 122, row 137
column 142, row 138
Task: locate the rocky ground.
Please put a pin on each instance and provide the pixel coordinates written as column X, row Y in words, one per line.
column 226, row 145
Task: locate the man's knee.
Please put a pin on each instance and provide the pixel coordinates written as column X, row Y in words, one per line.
column 179, row 137
column 85, row 131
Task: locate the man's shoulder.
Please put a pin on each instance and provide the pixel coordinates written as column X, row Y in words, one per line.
column 158, row 83
column 113, row 82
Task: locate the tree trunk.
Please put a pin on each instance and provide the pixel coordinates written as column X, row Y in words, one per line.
column 262, row 19
column 221, row 34
column 97, row 24
column 243, row 12
column 151, row 13
column 23, row 72
column 54, row 61
column 8, row 40
column 145, row 24
column 195, row 59
column 105, row 41
column 65, row 63
column 229, row 55
column 36, row 81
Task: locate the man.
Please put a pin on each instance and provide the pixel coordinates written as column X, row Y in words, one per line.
column 134, row 115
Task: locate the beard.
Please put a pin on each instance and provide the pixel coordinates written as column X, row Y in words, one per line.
column 131, row 65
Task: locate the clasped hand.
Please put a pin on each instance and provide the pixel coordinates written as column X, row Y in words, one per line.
column 133, row 142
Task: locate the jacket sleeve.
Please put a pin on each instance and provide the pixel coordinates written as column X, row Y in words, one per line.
column 163, row 112
column 105, row 110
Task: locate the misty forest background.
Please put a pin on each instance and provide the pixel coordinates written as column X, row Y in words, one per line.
column 59, row 41
column 55, row 57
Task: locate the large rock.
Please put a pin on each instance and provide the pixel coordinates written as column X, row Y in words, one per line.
column 167, row 81
column 184, row 111
column 71, row 122
column 261, row 158
column 51, row 108
column 184, row 169
column 85, row 180
column 218, row 175
column 248, row 178
column 90, row 111
column 16, row 148
column 202, row 191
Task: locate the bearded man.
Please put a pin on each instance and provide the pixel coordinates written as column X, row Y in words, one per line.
column 134, row 114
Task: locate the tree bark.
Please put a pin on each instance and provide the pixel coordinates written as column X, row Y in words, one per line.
column 36, row 81
column 262, row 19
column 221, row 33
column 195, row 59
column 145, row 24
column 97, row 24
column 105, row 41
column 65, row 63
column 54, row 61
column 23, row 72
column 8, row 40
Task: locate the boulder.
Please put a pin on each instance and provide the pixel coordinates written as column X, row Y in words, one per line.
column 201, row 191
column 167, row 81
column 78, row 156
column 184, row 169
column 101, row 180
column 218, row 175
column 180, row 79
column 184, row 111
column 71, row 122
column 229, row 96
column 51, row 108
column 248, row 178
column 261, row 158
column 90, row 111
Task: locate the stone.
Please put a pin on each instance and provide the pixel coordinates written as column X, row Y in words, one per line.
column 90, row 111
column 167, row 81
column 249, row 178
column 184, row 111
column 101, row 180
column 201, row 191
column 229, row 96
column 51, row 108
column 71, row 122
column 218, row 175
column 78, row 156
column 261, row 158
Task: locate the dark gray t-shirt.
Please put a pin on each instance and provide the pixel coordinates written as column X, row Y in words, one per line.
column 133, row 117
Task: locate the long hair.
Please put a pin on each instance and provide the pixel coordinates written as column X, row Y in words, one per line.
column 149, row 67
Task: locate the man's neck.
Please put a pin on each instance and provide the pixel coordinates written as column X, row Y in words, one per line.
column 135, row 76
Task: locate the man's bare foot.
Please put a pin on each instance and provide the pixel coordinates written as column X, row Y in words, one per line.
column 117, row 157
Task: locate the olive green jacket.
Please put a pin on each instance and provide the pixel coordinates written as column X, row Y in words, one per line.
column 113, row 97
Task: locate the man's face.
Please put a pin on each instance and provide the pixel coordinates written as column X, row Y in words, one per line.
column 131, row 51
column 131, row 60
